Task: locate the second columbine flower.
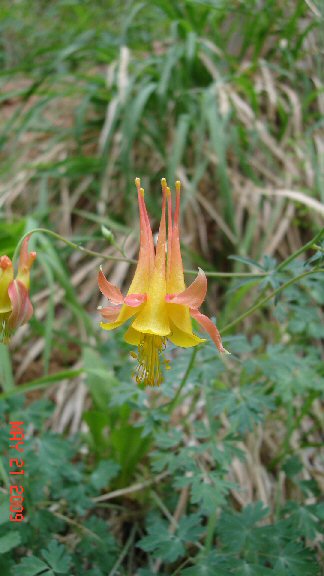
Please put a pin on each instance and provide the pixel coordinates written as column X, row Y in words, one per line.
column 15, row 306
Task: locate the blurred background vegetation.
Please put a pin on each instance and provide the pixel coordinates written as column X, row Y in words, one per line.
column 219, row 471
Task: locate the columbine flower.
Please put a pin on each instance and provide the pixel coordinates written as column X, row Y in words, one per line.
column 15, row 306
column 160, row 305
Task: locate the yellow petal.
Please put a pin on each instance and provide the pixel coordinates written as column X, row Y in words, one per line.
column 180, row 316
column 146, row 254
column 153, row 319
column 125, row 314
column 133, row 337
column 183, row 339
column 175, row 279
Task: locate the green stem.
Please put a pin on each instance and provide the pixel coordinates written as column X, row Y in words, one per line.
column 124, row 552
column 71, row 244
column 183, row 565
column 261, row 303
column 170, row 405
column 292, row 257
column 72, row 522
column 211, row 525
column 319, row 248
column 230, row 274
column 293, row 424
column 124, row 259
column 307, row 246
column 6, row 375
column 311, row 244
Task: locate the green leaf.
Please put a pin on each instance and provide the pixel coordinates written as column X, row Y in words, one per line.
column 10, row 233
column 97, row 422
column 246, row 260
column 252, row 569
column 100, row 380
column 133, row 115
column 179, row 144
column 32, row 566
column 97, row 545
column 4, row 507
column 41, row 382
column 49, row 323
column 104, row 473
column 190, row 528
column 170, row 546
column 57, row 557
column 237, row 531
column 304, row 520
column 208, row 490
column 244, row 405
column 292, row 466
column 296, row 560
column 9, row 541
column 204, row 567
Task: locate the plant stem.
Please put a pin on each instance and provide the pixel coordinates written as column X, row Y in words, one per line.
column 124, row 259
column 124, row 552
column 230, row 274
column 211, row 525
column 170, row 405
column 262, row 302
column 319, row 248
column 309, row 245
column 71, row 244
column 6, row 376
column 294, row 424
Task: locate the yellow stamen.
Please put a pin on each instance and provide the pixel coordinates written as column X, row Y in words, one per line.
column 148, row 371
column 167, row 364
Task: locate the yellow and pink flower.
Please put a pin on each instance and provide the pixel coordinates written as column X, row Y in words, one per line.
column 15, row 306
column 158, row 302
